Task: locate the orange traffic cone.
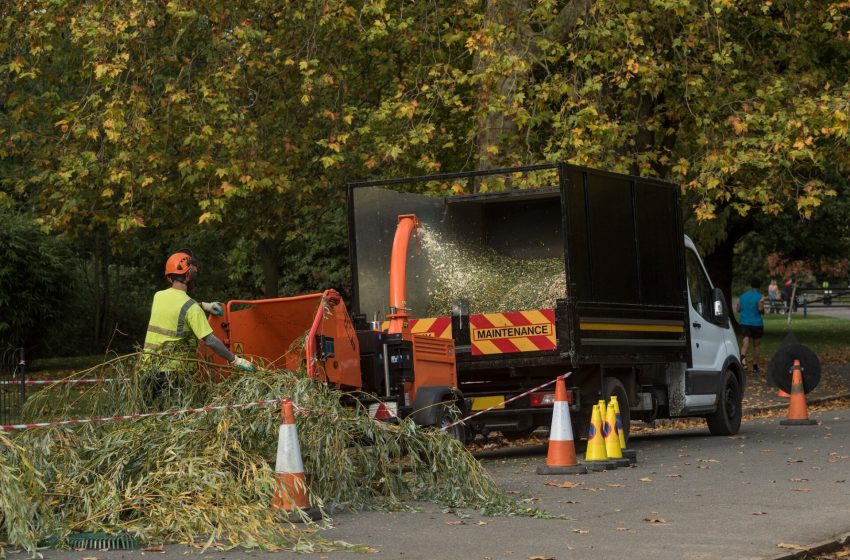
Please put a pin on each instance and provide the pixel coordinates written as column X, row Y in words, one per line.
column 290, row 485
column 561, row 458
column 798, row 415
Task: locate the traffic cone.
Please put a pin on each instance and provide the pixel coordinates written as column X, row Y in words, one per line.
column 629, row 454
column 612, row 439
column 290, row 493
column 596, row 457
column 561, row 458
column 798, row 415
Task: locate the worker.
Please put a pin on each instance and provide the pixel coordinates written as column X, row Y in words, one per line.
column 174, row 316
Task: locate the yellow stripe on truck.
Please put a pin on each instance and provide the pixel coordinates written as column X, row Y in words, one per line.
column 630, row 327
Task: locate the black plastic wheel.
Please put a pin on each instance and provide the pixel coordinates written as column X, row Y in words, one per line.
column 449, row 414
column 614, row 387
column 726, row 420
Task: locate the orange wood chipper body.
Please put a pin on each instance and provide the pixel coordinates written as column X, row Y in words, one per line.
column 399, row 373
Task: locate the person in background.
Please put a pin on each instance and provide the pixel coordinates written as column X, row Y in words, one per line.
column 773, row 296
column 751, row 307
column 175, row 316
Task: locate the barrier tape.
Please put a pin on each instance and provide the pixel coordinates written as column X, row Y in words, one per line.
column 118, row 418
column 56, row 381
column 503, row 403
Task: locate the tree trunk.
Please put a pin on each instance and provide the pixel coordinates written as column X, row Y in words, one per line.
column 269, row 253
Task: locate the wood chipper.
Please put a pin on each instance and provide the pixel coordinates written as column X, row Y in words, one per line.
column 392, row 371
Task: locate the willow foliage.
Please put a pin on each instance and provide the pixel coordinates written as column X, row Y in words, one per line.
column 209, row 476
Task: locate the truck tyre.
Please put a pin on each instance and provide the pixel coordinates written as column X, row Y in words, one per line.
column 726, row 420
column 613, row 387
column 449, row 414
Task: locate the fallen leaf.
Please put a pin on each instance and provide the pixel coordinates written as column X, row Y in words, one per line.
column 481, row 523
column 541, row 558
column 646, row 479
column 459, row 522
column 581, row 531
column 566, row 484
column 840, row 481
column 674, row 476
column 794, row 461
column 154, row 548
column 759, row 513
column 615, row 485
column 800, row 490
column 658, row 520
column 798, row 479
column 622, row 528
column 790, row 546
column 592, row 489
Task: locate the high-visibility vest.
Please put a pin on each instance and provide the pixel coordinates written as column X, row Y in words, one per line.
column 174, row 316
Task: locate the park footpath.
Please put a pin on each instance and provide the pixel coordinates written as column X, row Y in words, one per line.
column 769, row 492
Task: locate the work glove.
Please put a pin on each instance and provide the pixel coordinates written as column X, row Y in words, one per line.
column 242, row 364
column 213, row 308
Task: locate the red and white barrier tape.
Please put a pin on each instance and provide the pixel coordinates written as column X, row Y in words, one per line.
column 139, row 416
column 503, row 403
column 56, row 381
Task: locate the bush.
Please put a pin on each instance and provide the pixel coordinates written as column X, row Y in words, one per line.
column 34, row 283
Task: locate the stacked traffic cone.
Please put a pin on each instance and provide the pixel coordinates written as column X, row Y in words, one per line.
column 612, row 439
column 561, row 458
column 798, row 414
column 596, row 457
column 629, row 454
column 290, row 484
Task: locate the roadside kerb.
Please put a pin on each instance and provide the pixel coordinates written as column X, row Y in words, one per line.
column 821, row 548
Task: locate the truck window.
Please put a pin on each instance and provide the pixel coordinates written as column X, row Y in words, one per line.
column 698, row 285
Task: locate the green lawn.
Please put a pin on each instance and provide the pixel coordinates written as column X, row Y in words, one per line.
column 829, row 338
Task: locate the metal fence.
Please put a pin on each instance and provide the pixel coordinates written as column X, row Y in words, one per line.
column 13, row 388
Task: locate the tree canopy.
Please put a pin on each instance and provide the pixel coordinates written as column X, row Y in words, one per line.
column 243, row 121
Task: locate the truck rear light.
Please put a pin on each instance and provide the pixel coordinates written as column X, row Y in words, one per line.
column 548, row 399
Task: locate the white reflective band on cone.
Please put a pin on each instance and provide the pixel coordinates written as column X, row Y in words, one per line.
column 561, row 429
column 288, row 451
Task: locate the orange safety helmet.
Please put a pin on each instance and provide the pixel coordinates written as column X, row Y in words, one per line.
column 180, row 263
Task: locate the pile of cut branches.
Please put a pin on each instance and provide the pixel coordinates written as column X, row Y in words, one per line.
column 210, row 476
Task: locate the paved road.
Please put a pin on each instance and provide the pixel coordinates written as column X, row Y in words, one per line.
column 704, row 497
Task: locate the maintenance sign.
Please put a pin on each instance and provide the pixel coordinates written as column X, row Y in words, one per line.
column 532, row 330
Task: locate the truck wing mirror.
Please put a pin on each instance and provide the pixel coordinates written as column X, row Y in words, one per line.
column 718, row 309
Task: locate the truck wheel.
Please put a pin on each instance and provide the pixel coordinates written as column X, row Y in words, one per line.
column 449, row 414
column 726, row 420
column 613, row 387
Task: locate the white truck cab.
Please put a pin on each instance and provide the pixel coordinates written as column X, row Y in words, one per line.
column 714, row 380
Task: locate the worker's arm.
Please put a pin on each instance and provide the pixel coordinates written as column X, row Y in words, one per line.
column 202, row 329
column 217, row 346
